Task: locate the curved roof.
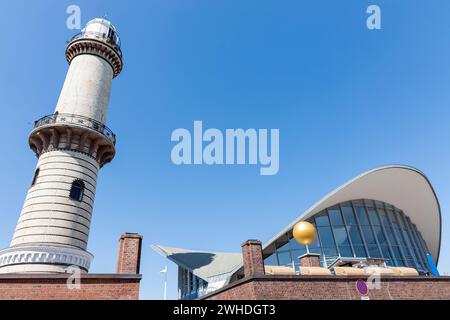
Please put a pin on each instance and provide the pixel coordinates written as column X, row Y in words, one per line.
column 404, row 187
column 202, row 263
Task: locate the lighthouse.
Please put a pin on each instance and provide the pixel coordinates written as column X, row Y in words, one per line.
column 71, row 145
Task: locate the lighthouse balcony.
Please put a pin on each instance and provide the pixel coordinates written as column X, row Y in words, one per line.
column 78, row 121
column 73, row 132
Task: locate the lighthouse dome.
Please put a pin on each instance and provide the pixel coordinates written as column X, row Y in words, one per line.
column 103, row 30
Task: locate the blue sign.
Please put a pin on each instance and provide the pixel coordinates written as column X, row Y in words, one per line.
column 362, row 288
column 432, row 265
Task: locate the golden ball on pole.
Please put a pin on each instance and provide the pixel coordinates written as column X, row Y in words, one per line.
column 304, row 232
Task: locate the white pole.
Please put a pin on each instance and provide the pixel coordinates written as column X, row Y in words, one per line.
column 165, row 282
column 165, row 285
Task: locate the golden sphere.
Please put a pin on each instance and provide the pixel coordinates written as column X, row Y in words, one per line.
column 304, row 232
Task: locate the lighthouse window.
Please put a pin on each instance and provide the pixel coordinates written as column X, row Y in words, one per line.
column 36, row 174
column 76, row 191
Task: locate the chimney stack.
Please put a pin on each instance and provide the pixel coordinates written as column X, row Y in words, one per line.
column 253, row 258
column 310, row 260
column 129, row 257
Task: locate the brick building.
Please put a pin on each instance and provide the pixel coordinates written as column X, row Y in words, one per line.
column 123, row 285
column 386, row 221
column 258, row 285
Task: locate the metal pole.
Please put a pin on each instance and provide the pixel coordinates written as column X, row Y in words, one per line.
column 165, row 285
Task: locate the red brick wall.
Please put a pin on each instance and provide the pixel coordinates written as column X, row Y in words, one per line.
column 129, row 256
column 252, row 258
column 332, row 287
column 54, row 287
column 310, row 260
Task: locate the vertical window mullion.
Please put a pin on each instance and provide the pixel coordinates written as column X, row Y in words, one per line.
column 347, row 232
column 320, row 245
column 405, row 241
column 388, row 241
column 332, row 233
column 414, row 241
column 409, row 241
column 400, row 247
column 422, row 244
column 366, row 247
column 372, row 227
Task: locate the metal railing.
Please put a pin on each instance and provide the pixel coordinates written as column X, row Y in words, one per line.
column 112, row 41
column 81, row 121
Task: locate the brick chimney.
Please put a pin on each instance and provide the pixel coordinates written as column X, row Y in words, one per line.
column 253, row 258
column 310, row 260
column 129, row 257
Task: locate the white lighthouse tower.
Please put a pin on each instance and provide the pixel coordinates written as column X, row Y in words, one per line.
column 72, row 145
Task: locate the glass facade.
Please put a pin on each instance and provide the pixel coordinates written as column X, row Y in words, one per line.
column 356, row 229
column 190, row 286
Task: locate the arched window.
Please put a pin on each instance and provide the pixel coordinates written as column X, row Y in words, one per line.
column 76, row 191
column 36, row 174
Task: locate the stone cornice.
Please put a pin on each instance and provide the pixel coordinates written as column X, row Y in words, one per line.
column 45, row 255
column 95, row 47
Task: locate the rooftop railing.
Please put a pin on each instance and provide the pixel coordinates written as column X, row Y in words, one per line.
column 80, row 121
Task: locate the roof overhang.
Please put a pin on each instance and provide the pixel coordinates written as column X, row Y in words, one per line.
column 404, row 187
column 201, row 263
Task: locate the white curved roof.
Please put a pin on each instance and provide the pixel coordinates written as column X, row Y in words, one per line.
column 202, row 263
column 404, row 187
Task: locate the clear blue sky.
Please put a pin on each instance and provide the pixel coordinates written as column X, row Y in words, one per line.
column 345, row 99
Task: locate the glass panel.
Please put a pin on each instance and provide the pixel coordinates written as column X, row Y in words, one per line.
column 331, row 251
column 297, row 254
column 335, row 216
column 374, row 217
column 419, row 252
column 284, row 258
column 380, row 235
column 322, row 220
column 326, row 237
column 374, row 251
column 383, row 217
column 355, row 235
column 296, row 246
column 191, row 282
column 271, row 260
column 345, row 251
column 315, row 250
column 348, row 215
column 315, row 243
column 362, row 216
column 395, row 227
column 285, row 247
column 401, row 263
column 341, row 236
column 408, row 239
column 368, row 235
column 397, row 253
column 360, row 251
column 385, row 251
